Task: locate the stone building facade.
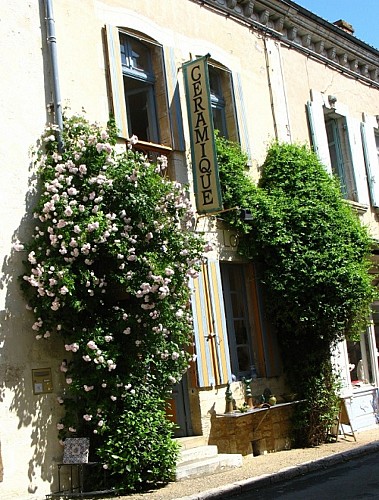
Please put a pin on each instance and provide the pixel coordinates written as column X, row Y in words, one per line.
column 276, row 71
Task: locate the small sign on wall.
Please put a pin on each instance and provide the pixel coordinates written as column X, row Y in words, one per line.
column 42, row 381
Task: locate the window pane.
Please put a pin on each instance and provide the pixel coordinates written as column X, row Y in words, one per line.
column 139, row 85
column 237, row 305
column 377, row 144
column 217, row 100
column 360, row 361
column 139, row 56
column 214, row 81
column 219, row 120
column 137, row 106
column 240, row 331
column 237, row 319
column 244, row 361
column 332, row 146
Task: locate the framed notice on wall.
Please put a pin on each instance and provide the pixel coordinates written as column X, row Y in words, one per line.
column 42, row 381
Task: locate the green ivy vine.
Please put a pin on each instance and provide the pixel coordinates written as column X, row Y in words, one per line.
column 312, row 255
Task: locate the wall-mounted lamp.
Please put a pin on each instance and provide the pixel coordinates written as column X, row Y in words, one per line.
column 332, row 100
column 245, row 215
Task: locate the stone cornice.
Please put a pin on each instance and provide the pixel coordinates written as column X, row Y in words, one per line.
column 295, row 26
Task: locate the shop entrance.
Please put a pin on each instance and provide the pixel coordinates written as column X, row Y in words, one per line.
column 180, row 409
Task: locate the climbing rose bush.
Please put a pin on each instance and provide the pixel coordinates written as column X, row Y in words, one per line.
column 108, row 270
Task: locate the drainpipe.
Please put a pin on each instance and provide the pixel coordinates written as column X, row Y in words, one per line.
column 52, row 44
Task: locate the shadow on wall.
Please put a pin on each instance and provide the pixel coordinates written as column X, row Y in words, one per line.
column 28, row 434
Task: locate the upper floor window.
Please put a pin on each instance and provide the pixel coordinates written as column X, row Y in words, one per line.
column 217, row 101
column 139, row 85
column 340, row 156
column 337, row 141
column 222, row 101
column 138, row 91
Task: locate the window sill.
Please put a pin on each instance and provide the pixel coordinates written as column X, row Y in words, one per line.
column 239, row 414
column 362, row 387
column 358, row 207
column 151, row 147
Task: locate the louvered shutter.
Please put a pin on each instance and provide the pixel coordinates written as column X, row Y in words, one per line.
column 371, row 159
column 356, row 151
column 318, row 132
column 278, row 90
column 212, row 349
column 116, row 80
column 241, row 113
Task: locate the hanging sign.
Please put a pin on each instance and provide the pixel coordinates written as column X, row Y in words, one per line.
column 203, row 149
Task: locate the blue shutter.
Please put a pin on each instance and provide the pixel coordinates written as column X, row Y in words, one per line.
column 278, row 90
column 318, row 132
column 241, row 113
column 371, row 159
column 358, row 161
column 116, row 80
column 176, row 117
column 212, row 348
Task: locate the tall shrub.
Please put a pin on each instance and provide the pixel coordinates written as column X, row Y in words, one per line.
column 108, row 271
column 311, row 251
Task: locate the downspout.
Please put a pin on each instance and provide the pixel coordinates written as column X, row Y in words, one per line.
column 52, row 44
column 270, row 88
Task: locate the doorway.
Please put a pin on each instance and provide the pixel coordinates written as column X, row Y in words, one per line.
column 180, row 409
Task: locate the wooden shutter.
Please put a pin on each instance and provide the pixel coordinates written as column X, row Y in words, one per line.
column 212, row 349
column 267, row 337
column 176, row 117
column 116, row 80
column 241, row 113
column 371, row 157
column 278, row 93
column 358, row 161
column 340, row 360
column 318, row 132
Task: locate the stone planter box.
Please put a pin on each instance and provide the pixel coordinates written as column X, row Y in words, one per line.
column 257, row 431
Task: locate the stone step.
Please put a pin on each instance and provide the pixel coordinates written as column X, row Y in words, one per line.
column 191, row 442
column 198, row 453
column 207, row 466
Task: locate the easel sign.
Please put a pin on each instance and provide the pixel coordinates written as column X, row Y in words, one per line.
column 344, row 419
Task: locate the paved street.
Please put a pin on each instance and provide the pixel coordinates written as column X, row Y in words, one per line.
column 355, row 479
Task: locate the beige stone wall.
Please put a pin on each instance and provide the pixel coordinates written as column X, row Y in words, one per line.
column 28, row 438
column 207, row 402
column 314, row 75
column 258, row 431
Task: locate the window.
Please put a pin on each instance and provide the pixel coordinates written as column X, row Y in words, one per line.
column 340, row 157
column 217, row 101
column 139, row 82
column 337, row 140
column 137, row 91
column 222, row 102
column 239, row 324
column 232, row 334
column 360, row 361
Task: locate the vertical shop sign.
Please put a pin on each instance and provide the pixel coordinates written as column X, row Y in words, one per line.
column 203, row 149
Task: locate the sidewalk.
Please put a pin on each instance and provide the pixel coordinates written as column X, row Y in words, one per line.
column 265, row 469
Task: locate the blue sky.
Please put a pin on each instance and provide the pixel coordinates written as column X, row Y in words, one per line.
column 363, row 15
